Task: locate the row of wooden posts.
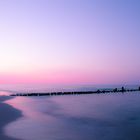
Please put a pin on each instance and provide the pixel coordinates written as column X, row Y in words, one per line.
column 116, row 90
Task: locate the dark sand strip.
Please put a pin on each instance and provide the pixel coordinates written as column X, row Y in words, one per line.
column 7, row 115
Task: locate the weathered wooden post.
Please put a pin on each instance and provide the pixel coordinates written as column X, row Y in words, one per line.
column 123, row 89
column 115, row 90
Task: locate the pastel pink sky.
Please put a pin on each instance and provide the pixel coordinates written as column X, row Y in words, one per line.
column 69, row 42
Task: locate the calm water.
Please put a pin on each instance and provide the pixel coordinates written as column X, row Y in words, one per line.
column 77, row 117
column 19, row 88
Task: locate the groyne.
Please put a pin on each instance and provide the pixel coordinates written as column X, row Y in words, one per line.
column 99, row 91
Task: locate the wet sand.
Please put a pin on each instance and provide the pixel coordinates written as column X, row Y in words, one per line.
column 7, row 115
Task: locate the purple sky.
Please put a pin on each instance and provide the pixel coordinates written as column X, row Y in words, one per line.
column 70, row 41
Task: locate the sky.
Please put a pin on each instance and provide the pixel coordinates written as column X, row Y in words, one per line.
column 70, row 41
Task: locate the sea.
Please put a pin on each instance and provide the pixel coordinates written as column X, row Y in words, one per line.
column 7, row 89
column 110, row 116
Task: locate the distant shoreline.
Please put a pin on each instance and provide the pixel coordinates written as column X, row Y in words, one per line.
column 7, row 115
column 99, row 91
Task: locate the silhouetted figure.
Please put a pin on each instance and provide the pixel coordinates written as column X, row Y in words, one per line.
column 123, row 89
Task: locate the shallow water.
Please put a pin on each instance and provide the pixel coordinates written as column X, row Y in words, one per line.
column 77, row 117
column 40, row 88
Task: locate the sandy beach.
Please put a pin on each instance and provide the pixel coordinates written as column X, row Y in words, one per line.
column 7, row 115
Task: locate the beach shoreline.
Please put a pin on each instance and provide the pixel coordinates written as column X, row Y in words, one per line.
column 7, row 115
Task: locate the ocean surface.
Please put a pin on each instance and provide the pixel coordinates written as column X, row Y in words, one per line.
column 6, row 89
column 77, row 117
